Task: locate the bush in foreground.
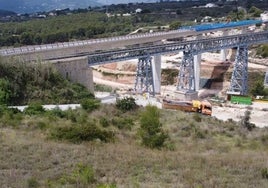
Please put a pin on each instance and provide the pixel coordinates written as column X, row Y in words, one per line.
column 126, row 104
column 78, row 133
column 151, row 131
column 34, row 109
column 89, row 104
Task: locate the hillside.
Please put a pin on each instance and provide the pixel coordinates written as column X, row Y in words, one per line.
column 29, row 6
column 67, row 149
column 6, row 13
column 22, row 83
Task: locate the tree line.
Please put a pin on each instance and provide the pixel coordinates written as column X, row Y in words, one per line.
column 71, row 27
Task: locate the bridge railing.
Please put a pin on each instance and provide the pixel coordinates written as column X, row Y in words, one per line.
column 35, row 48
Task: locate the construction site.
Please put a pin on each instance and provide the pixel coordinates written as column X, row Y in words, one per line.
column 214, row 83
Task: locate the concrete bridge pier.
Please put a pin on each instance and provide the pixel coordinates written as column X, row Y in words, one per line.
column 156, row 66
column 197, row 63
column 76, row 70
column 224, row 51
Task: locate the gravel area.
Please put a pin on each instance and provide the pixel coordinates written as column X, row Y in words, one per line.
column 259, row 112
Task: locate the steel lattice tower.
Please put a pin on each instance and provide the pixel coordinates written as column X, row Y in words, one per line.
column 240, row 73
column 186, row 78
column 144, row 76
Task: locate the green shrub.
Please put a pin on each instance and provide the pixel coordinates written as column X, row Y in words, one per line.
column 83, row 174
column 32, row 183
column 34, row 109
column 264, row 173
column 90, row 104
column 104, row 122
column 263, row 51
column 123, row 123
column 78, row 133
column 245, row 121
column 4, row 91
column 151, row 131
column 10, row 116
column 57, row 112
column 76, row 116
column 126, row 104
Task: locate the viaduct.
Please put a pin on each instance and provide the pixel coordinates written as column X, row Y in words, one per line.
column 73, row 59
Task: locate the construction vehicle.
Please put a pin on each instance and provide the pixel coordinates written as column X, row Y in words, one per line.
column 203, row 107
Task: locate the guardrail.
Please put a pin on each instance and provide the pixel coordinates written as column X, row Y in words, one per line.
column 35, row 48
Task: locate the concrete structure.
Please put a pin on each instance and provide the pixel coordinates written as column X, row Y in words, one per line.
column 266, row 80
column 187, row 96
column 76, row 70
column 224, row 51
column 197, row 63
column 156, row 66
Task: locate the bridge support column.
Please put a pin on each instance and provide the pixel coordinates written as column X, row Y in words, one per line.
column 266, row 80
column 76, row 70
column 240, row 73
column 157, row 73
column 197, row 63
column 144, row 76
column 186, row 77
column 224, row 51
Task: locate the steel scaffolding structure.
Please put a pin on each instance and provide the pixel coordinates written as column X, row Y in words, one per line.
column 144, row 77
column 193, row 46
column 186, row 78
column 239, row 78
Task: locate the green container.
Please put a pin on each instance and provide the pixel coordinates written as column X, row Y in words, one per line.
column 241, row 100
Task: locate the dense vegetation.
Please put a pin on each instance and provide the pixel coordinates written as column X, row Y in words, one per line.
column 21, row 83
column 72, row 27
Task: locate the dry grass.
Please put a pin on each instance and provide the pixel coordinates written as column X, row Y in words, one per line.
column 209, row 153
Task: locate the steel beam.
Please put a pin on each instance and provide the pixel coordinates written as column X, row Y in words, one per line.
column 196, row 46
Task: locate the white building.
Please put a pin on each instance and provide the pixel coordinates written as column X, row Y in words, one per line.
column 210, row 5
column 264, row 16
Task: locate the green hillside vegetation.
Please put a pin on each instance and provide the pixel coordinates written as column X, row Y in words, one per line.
column 263, row 51
column 109, row 146
column 86, row 24
column 70, row 27
column 22, row 83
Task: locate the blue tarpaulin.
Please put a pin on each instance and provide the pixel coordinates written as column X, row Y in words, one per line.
column 212, row 26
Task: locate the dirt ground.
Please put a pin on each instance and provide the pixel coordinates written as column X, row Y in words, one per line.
column 211, row 68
